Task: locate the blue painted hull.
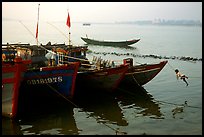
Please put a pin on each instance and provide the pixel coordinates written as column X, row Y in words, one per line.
column 45, row 87
column 54, row 79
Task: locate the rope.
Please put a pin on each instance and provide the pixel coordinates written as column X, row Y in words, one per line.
column 55, row 90
column 116, row 130
column 194, row 77
column 171, row 67
column 57, row 29
column 179, row 104
column 157, row 100
column 27, row 29
column 135, row 80
column 188, row 76
column 131, row 93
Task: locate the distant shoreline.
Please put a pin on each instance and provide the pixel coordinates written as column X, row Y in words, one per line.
column 158, row 22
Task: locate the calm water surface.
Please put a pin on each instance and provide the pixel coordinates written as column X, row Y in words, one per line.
column 130, row 110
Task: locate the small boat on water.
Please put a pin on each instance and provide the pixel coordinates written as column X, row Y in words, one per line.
column 86, row 24
column 13, row 69
column 141, row 74
column 110, row 43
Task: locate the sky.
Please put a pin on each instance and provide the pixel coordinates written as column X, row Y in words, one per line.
column 102, row 11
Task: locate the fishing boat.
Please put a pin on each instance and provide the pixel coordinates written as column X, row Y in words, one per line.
column 143, row 73
column 13, row 69
column 47, row 73
column 50, row 75
column 42, row 80
column 94, row 74
column 109, row 43
column 106, row 79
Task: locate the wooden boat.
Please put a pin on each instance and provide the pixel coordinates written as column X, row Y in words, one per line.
column 95, row 75
column 86, row 24
column 106, row 79
column 44, row 81
column 110, row 43
column 13, row 69
column 43, row 78
column 141, row 74
column 56, row 77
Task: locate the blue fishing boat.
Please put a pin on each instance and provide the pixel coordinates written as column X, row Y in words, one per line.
column 42, row 80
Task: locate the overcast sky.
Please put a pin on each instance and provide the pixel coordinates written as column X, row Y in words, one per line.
column 102, row 11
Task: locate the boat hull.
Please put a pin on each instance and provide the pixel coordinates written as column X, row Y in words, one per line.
column 105, row 79
column 12, row 74
column 110, row 43
column 142, row 74
column 42, row 88
column 59, row 79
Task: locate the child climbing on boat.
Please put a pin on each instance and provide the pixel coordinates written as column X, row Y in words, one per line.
column 181, row 76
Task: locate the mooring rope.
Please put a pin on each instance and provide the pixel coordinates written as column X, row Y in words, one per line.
column 116, row 130
column 75, row 105
column 128, row 92
column 186, row 105
column 55, row 90
column 171, row 66
column 174, row 71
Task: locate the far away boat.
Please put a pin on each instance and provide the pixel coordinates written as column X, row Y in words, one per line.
column 110, row 43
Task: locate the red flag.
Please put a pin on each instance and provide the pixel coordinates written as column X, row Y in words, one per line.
column 68, row 21
column 36, row 32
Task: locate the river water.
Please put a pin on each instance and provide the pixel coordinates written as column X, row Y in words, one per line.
column 131, row 110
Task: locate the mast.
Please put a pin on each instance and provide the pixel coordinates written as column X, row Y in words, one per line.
column 35, row 51
column 37, row 24
column 68, row 23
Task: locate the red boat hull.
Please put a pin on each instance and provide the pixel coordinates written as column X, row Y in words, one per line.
column 105, row 79
column 142, row 74
column 12, row 74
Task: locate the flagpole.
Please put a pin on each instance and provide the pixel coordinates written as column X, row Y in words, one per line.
column 68, row 23
column 69, row 37
column 69, row 30
column 37, row 24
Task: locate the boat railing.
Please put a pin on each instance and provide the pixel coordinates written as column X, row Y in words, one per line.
column 11, row 54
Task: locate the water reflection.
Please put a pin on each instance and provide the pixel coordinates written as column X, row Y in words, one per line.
column 57, row 117
column 53, row 117
column 10, row 127
column 136, row 97
column 60, row 121
column 119, row 47
column 102, row 106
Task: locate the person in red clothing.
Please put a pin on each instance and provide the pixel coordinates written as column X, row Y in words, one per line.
column 181, row 76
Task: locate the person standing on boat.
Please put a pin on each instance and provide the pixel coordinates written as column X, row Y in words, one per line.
column 53, row 57
column 181, row 76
